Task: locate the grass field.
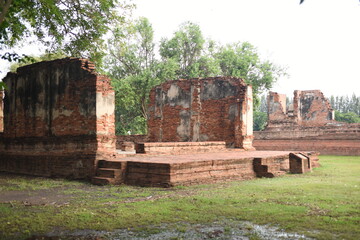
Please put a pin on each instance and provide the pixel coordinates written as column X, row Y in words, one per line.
column 324, row 204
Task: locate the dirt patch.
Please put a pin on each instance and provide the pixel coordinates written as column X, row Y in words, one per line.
column 35, row 197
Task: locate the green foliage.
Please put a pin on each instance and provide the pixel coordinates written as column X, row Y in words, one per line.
column 242, row 60
column 346, row 104
column 75, row 27
column 33, row 59
column 349, row 117
column 260, row 120
column 347, row 109
column 185, row 47
column 135, row 70
column 2, row 86
column 260, row 114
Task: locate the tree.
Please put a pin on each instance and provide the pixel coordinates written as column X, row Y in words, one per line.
column 260, row 114
column 344, row 104
column 349, row 117
column 75, row 27
column 260, row 120
column 34, row 59
column 134, row 68
column 242, row 60
column 189, row 49
column 134, row 71
column 346, row 109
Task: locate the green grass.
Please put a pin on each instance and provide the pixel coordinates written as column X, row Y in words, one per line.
column 324, row 204
column 12, row 182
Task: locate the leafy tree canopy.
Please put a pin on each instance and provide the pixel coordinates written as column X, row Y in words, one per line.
column 242, row 60
column 349, row 117
column 75, row 27
column 135, row 68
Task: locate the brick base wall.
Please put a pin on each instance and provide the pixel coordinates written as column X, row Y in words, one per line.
column 71, row 166
column 120, row 139
column 325, row 147
column 68, row 156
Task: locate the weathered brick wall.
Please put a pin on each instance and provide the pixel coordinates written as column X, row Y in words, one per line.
column 309, row 108
column 1, row 111
column 209, row 109
column 278, row 113
column 314, row 110
column 57, row 111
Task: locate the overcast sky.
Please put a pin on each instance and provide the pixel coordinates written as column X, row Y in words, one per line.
column 319, row 41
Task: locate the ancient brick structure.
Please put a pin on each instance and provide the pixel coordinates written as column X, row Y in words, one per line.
column 299, row 163
column 309, row 108
column 205, row 109
column 1, row 111
column 58, row 119
column 307, row 124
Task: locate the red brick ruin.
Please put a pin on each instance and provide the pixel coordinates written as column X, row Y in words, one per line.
column 58, row 121
column 197, row 110
column 308, row 123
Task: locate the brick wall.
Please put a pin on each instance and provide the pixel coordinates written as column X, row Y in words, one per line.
column 309, row 108
column 57, row 110
column 209, row 109
column 324, row 146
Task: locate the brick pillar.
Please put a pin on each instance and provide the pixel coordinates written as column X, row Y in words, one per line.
column 276, row 106
column 296, row 103
column 244, row 122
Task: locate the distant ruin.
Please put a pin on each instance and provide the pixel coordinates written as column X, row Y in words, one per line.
column 58, row 121
column 306, row 124
column 309, row 108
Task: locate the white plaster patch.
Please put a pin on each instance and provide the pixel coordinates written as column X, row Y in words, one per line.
column 249, row 112
column 105, row 104
column 173, row 92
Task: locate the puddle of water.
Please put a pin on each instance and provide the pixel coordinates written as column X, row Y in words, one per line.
column 225, row 229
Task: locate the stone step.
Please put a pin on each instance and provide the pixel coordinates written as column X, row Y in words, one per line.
column 110, row 164
column 105, row 181
column 109, row 173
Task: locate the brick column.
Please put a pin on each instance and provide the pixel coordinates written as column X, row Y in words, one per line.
column 244, row 122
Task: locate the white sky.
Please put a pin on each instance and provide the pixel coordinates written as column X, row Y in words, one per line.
column 319, row 41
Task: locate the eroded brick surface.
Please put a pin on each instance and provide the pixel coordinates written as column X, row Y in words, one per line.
column 58, row 119
column 209, row 109
column 309, row 108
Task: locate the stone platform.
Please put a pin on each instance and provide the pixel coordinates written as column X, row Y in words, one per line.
column 184, row 169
